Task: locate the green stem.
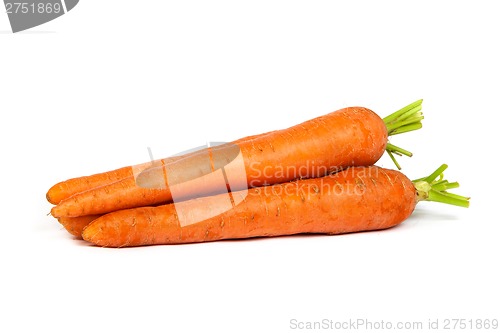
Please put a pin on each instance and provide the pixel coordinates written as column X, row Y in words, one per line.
column 430, row 189
column 407, row 128
column 396, row 114
column 398, row 150
column 439, row 171
column 404, row 120
column 391, row 155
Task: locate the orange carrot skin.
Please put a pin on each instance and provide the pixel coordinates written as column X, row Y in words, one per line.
column 347, row 137
column 75, row 225
column 356, row 199
column 65, row 189
column 353, row 136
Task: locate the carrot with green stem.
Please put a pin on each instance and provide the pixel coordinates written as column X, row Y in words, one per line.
column 353, row 136
column 352, row 200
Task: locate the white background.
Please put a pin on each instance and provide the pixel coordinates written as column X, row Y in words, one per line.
column 90, row 91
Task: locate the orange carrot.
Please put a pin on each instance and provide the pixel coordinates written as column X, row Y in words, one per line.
column 70, row 187
column 75, row 225
column 353, row 136
column 64, row 190
column 356, row 199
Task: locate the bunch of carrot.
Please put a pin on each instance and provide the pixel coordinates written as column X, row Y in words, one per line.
column 315, row 177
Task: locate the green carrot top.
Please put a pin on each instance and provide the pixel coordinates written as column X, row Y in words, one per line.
column 435, row 188
column 404, row 120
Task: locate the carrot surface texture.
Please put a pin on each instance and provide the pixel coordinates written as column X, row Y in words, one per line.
column 66, row 189
column 70, row 187
column 352, row 200
column 75, row 225
column 353, row 136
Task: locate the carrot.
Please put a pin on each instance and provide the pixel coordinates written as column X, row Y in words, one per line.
column 64, row 190
column 70, row 187
column 356, row 199
column 353, row 136
column 75, row 225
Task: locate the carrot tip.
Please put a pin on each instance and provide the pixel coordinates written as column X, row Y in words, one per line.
column 55, row 212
